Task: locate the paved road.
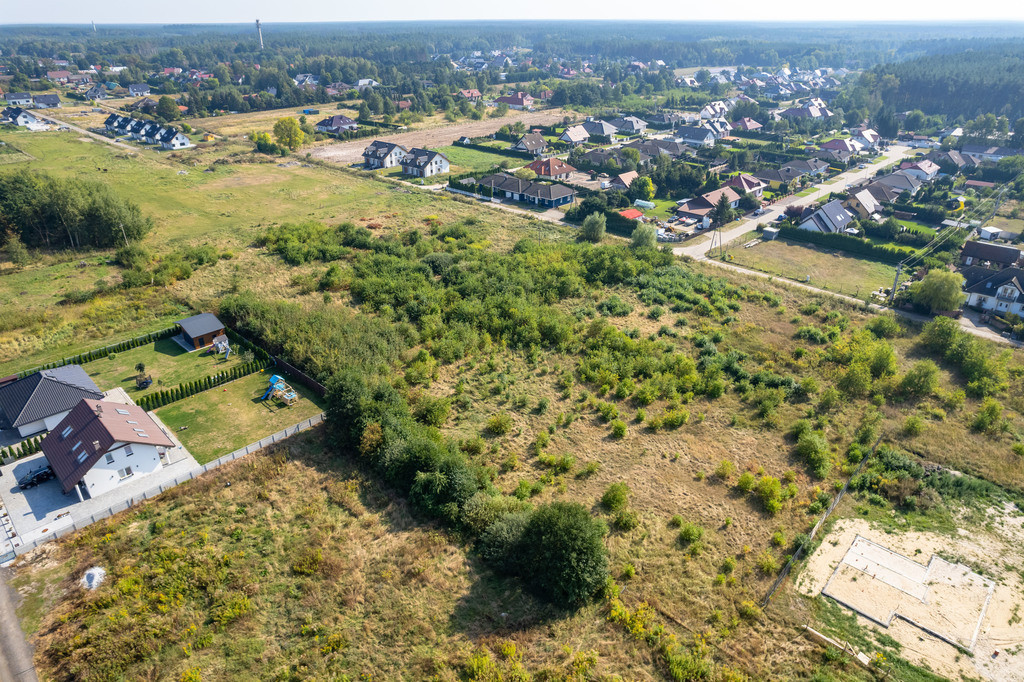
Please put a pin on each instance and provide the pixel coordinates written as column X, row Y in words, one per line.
column 15, row 655
column 83, row 131
column 838, row 184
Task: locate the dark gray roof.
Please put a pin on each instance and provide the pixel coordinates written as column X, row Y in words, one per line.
column 381, row 149
column 419, row 158
column 1014, row 276
column 997, row 253
column 46, row 99
column 598, row 127
column 200, row 324
column 532, row 142
column 45, row 393
column 17, row 95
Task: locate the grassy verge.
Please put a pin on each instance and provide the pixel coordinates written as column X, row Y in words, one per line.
column 226, row 418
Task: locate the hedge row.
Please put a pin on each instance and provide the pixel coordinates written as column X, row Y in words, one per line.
column 101, row 353
column 845, row 242
column 190, row 388
column 23, row 449
column 510, row 153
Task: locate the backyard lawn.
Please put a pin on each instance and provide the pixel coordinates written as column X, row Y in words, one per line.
column 231, row 416
column 165, row 361
column 841, row 273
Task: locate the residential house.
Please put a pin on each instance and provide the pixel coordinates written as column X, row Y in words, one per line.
column 39, row 401
column 777, row 178
column 670, row 119
column 541, row 194
column 716, row 109
column 867, row 138
column 705, row 204
column 21, row 117
column 100, row 445
column 852, row 145
column 599, row 127
column 18, row 99
column 172, row 71
column 381, row 154
column 990, row 153
column 954, row 131
column 336, row 125
column 949, row 161
column 698, row 137
column 623, row 180
column 831, row 218
column 979, row 184
column 747, row 183
column 747, row 124
column 473, row 95
column 864, row 204
column 883, row 193
column 59, row 76
column 813, row 109
column 153, row 133
column 918, row 141
column 923, row 170
column 901, row 181
column 424, row 163
column 607, row 157
column 96, row 92
column 986, row 254
column 652, row 148
column 1001, row 292
column 304, row 79
column 366, row 84
column 630, row 125
column 519, row 100
column 574, row 135
column 138, row 90
column 171, row 138
column 78, row 79
column 533, row 143
column 808, row 166
column 832, row 155
column 552, row 169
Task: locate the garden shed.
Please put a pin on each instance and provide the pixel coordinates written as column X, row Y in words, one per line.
column 200, row 330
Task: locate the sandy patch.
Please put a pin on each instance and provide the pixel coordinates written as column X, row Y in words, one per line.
column 955, row 597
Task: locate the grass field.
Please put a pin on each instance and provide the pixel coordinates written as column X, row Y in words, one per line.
column 465, row 160
column 165, row 360
column 229, row 417
column 805, row 263
column 235, row 125
column 1014, row 225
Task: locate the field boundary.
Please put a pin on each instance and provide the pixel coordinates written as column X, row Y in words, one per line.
column 261, row 444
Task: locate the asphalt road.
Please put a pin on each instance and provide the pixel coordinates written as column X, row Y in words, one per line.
column 894, row 154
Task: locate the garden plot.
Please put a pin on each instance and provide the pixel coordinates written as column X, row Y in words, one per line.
column 945, row 599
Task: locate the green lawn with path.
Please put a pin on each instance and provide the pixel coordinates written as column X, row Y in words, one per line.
column 466, row 160
column 165, row 360
column 228, row 417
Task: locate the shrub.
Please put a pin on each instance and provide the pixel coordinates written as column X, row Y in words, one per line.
column 913, row 426
column 885, row 326
column 921, row 380
column 626, row 519
column 749, row 611
column 615, row 497
column 499, row 424
column 766, row 563
column 628, row 571
column 813, row 449
column 746, row 482
column 725, row 470
column 613, row 306
column 829, row 400
column 589, row 469
column 608, row 411
column 778, row 538
column 690, row 532
column 988, row 415
column 563, row 553
column 618, row 429
column 769, row 491
column 676, row 521
column 308, row 561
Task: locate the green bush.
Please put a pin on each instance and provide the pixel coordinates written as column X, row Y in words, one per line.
column 988, row 417
column 746, row 482
column 615, row 497
column 690, row 532
column 725, row 470
column 913, row 426
column 626, row 519
column 766, row 563
column 618, row 429
column 813, row 449
column 499, row 424
column 769, row 490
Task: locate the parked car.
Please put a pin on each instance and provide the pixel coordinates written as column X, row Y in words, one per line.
column 35, row 477
column 760, row 211
column 780, row 218
column 863, row 165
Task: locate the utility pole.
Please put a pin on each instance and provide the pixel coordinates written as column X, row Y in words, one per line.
column 895, row 282
column 123, row 234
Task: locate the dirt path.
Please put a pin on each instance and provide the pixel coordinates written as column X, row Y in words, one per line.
column 430, row 138
column 83, row 131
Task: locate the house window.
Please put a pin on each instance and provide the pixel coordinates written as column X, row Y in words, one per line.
column 124, row 473
column 128, row 450
column 110, row 458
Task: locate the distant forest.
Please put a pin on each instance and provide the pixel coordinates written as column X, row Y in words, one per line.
column 964, row 84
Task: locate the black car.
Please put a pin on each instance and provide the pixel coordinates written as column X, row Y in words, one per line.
column 35, row 477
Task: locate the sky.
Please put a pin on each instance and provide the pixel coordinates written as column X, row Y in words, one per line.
column 238, row 11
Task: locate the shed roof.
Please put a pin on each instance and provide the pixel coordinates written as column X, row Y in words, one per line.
column 200, row 324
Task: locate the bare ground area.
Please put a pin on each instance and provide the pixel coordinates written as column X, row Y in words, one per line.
column 352, row 151
column 1001, row 628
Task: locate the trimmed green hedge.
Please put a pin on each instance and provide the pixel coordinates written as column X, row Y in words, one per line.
column 190, row 388
column 845, row 242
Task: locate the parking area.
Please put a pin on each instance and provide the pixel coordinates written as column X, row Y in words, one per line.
column 27, row 515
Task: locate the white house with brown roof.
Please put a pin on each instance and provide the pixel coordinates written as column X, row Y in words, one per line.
column 99, row 445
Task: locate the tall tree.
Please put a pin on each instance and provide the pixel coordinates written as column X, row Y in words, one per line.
column 288, row 133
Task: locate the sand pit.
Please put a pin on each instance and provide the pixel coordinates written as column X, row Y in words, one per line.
column 935, row 594
column 944, row 599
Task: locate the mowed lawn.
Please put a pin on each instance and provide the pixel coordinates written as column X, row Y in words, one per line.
column 840, row 272
column 229, row 417
column 465, row 160
column 165, row 360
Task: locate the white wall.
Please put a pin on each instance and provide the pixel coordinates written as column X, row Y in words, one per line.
column 103, row 477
